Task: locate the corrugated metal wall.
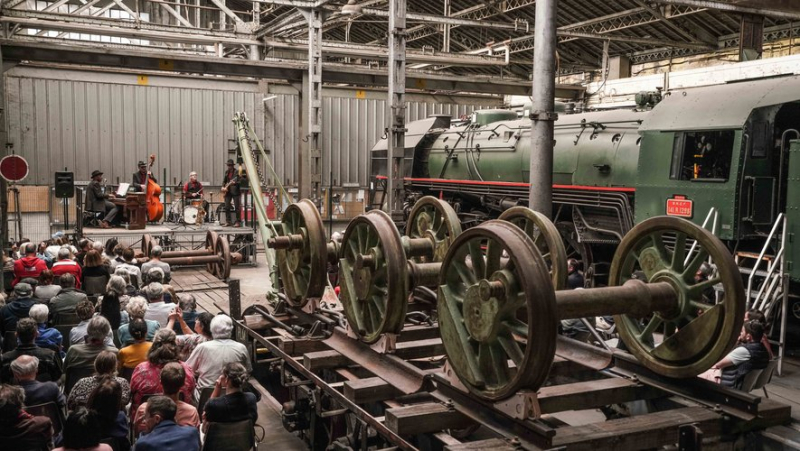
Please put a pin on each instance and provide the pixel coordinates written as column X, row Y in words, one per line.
column 96, row 120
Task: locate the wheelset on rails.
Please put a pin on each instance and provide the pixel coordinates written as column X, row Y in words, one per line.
column 498, row 289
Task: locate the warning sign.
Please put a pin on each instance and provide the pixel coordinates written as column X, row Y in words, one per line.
column 679, row 206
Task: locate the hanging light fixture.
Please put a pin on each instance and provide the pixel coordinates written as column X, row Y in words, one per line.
column 351, row 8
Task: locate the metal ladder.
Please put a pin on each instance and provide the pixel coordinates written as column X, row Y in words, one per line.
column 773, row 280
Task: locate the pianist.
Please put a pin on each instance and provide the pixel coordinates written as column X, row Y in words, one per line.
column 97, row 200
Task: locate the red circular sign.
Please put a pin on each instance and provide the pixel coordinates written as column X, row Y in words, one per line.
column 14, row 168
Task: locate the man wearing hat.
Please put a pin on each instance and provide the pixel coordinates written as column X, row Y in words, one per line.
column 231, row 182
column 15, row 310
column 140, row 178
column 97, row 199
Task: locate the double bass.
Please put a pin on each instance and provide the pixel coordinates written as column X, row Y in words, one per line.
column 155, row 209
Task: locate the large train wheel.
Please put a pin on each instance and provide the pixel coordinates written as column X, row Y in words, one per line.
column 697, row 334
column 303, row 268
column 211, row 246
column 223, row 251
column 373, row 276
column 497, row 315
column 436, row 220
column 545, row 237
column 573, row 247
column 147, row 244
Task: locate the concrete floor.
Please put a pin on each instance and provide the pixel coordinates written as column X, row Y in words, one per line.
column 255, row 283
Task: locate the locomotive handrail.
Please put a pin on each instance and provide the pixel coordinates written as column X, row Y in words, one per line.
column 712, row 211
column 770, row 268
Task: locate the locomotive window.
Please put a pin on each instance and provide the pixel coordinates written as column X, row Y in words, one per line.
column 702, row 156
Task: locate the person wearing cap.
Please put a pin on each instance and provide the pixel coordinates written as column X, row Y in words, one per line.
column 140, row 178
column 231, row 180
column 15, row 310
column 98, row 200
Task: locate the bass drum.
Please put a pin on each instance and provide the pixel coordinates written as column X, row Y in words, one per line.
column 190, row 215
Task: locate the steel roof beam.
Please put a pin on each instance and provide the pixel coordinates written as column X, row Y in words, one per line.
column 734, row 8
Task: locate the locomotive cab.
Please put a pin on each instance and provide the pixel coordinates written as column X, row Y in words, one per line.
column 722, row 148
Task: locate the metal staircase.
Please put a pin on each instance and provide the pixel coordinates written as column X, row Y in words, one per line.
column 768, row 280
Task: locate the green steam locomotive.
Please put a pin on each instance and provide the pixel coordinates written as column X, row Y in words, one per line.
column 722, row 152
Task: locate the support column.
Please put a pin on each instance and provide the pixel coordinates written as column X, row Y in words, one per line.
column 3, row 185
column 751, row 37
column 310, row 181
column 544, row 87
column 397, row 106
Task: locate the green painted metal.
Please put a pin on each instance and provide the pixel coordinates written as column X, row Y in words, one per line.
column 264, row 224
column 793, row 212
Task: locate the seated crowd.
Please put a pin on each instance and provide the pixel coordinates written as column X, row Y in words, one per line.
column 135, row 363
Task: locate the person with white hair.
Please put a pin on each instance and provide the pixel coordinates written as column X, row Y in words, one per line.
column 49, row 337
column 158, row 310
column 68, row 298
column 66, row 265
column 82, row 356
column 137, row 308
column 24, row 368
column 155, row 262
column 209, row 358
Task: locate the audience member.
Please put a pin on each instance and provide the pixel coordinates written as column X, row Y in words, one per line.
column 137, row 308
column 117, row 302
column 68, row 298
column 156, row 275
column 106, row 399
column 15, row 310
column 65, row 265
column 235, row 405
column 208, row 359
column 105, row 367
column 93, row 266
column 146, row 379
column 190, row 339
column 82, row 432
column 85, row 311
column 42, row 253
column 749, row 355
column 163, row 434
column 155, row 262
column 173, row 377
column 116, row 258
column 47, row 337
column 20, row 431
column 129, row 265
column 24, row 369
column 98, row 246
column 28, row 266
column 46, row 289
column 757, row 315
column 130, row 290
column 49, row 362
column 80, row 358
column 189, row 312
column 132, row 355
column 158, row 310
column 83, row 247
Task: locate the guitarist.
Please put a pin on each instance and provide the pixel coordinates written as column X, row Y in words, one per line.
column 231, row 190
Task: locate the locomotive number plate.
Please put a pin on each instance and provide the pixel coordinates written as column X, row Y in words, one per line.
column 679, row 206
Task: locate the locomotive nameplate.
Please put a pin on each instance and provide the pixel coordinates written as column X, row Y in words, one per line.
column 680, row 206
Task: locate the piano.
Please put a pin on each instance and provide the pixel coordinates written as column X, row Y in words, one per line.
column 134, row 207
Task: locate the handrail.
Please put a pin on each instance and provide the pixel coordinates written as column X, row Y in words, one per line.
column 779, row 221
column 712, row 211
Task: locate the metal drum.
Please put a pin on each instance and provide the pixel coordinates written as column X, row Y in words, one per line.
column 190, row 215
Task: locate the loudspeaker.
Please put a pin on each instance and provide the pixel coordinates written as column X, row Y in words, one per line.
column 65, row 185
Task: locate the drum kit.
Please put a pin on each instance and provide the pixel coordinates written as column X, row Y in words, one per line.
column 192, row 213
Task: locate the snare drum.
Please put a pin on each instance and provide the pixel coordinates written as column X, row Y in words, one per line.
column 190, row 215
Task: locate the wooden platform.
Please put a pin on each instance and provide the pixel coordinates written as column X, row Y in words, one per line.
column 207, row 289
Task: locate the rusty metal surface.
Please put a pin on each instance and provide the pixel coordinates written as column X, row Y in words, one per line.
column 546, row 238
column 338, row 396
column 583, row 354
column 303, row 267
column 634, row 298
column 404, row 376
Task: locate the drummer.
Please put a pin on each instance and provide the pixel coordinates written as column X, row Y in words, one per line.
column 193, row 192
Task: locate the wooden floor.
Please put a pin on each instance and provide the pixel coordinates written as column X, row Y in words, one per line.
column 210, row 292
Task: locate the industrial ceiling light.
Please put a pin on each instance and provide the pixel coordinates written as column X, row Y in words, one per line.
column 351, row 8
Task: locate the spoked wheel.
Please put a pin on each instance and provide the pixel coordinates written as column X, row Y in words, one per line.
column 223, row 251
column 147, row 244
column 436, row 220
column 574, row 248
column 211, row 246
column 373, row 276
column 546, row 238
column 303, row 265
column 497, row 311
column 695, row 335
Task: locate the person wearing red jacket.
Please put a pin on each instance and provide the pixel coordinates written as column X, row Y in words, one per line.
column 66, row 265
column 28, row 266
